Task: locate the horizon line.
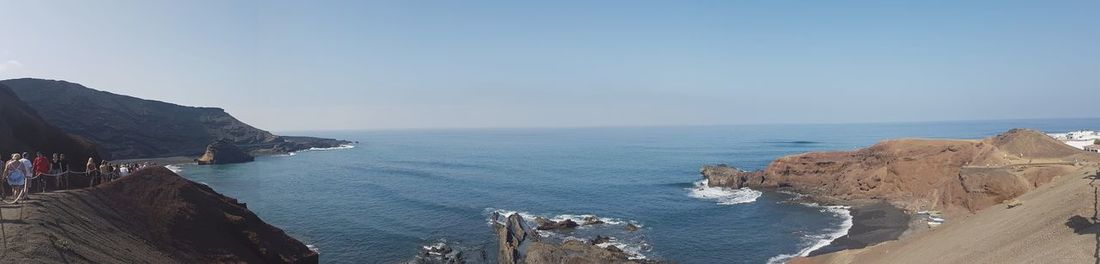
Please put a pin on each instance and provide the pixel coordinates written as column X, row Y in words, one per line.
column 283, row 132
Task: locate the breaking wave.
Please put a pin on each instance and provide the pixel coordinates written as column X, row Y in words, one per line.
column 174, row 168
column 345, row 146
column 815, row 242
column 723, row 195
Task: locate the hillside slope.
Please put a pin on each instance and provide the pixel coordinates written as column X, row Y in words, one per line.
column 153, row 216
column 1056, row 223
column 128, row 127
column 22, row 130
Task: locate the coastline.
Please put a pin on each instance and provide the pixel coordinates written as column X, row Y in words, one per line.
column 871, row 224
column 864, row 223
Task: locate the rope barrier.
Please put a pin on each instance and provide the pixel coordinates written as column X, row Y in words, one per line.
column 27, row 182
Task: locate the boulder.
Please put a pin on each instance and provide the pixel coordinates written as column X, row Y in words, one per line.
column 224, row 152
column 630, row 228
column 592, row 220
column 563, row 224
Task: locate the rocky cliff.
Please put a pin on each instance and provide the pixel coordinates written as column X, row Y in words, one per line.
column 22, row 130
column 223, row 152
column 918, row 174
column 129, row 127
column 153, row 216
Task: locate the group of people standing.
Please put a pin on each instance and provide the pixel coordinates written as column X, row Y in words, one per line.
column 105, row 171
column 20, row 168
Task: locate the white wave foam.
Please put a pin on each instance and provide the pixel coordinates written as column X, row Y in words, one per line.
column 819, row 241
column 723, row 195
column 313, row 248
column 174, row 168
column 345, row 146
column 580, row 219
column 634, row 251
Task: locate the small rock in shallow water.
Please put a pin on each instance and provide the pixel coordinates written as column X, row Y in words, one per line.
column 592, row 220
column 600, row 240
column 563, row 224
column 630, row 228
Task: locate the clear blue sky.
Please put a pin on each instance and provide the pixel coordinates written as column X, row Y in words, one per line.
column 317, row 65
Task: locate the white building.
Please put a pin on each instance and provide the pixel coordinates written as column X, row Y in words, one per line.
column 1093, row 148
column 1077, row 139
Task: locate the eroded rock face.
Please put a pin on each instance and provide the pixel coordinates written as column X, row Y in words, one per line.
column 223, row 152
column 731, row 177
column 510, row 236
column 918, row 174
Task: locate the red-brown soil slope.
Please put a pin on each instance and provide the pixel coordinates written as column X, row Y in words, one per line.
column 919, row 174
column 153, row 216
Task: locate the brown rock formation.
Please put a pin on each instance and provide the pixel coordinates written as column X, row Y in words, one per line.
column 511, row 235
column 152, row 216
column 919, row 174
column 223, row 152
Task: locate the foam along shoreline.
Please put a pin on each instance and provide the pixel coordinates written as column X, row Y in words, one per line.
column 871, row 224
column 343, row 146
column 828, row 237
column 723, row 195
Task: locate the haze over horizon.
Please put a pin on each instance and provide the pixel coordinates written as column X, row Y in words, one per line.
column 291, row 66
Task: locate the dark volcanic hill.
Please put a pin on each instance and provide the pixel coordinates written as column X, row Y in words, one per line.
column 128, row 127
column 22, row 130
column 152, row 216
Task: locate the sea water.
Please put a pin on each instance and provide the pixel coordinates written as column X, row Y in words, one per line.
column 395, row 192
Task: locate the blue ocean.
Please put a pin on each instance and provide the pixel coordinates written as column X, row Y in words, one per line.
column 400, row 190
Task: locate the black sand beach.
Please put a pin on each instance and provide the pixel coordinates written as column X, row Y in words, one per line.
column 871, row 224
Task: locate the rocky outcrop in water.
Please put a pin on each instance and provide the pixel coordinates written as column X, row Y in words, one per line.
column 152, row 216
column 518, row 244
column 23, row 130
column 128, row 127
column 547, row 224
column 438, row 254
column 918, row 174
column 510, row 236
column 224, row 152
